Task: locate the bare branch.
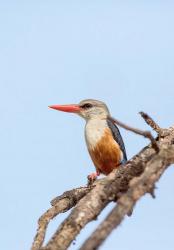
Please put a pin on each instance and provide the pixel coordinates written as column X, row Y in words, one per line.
column 92, row 201
column 138, row 187
column 151, row 122
column 60, row 204
column 162, row 132
column 146, row 134
column 106, row 190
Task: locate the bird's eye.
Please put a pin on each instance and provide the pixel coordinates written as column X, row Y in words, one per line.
column 87, row 106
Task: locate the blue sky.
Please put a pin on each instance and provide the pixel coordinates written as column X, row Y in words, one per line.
column 53, row 52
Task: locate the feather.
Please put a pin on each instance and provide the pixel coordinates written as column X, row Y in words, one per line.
column 118, row 138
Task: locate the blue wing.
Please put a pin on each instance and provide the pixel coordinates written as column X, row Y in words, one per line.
column 118, row 138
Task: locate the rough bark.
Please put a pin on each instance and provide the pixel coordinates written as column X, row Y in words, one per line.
column 120, row 185
column 60, row 204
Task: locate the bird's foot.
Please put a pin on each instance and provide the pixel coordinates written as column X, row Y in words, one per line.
column 92, row 177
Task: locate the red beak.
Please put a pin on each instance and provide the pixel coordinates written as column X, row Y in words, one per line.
column 72, row 108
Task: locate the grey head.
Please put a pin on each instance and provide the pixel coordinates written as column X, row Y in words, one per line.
column 93, row 109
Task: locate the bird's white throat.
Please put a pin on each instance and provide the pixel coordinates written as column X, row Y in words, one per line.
column 94, row 130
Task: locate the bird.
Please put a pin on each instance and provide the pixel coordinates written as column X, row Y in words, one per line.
column 103, row 139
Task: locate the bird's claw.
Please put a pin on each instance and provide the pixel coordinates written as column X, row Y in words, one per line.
column 92, row 177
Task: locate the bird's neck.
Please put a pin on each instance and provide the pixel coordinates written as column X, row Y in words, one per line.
column 94, row 130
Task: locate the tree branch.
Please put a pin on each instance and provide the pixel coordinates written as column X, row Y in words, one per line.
column 91, row 201
column 146, row 134
column 138, row 187
column 60, row 204
column 151, row 123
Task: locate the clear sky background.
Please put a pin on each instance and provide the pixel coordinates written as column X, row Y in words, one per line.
column 53, row 52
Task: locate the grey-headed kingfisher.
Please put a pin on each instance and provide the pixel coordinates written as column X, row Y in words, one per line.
column 103, row 139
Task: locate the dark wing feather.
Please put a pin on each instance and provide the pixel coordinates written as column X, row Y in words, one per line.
column 118, row 138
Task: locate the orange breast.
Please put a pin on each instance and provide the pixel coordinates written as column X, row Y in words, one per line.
column 107, row 154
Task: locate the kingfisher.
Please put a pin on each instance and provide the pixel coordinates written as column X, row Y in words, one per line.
column 103, row 139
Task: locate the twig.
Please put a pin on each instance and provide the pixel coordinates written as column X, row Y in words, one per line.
column 60, row 204
column 146, row 134
column 151, row 122
column 138, row 187
column 160, row 131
